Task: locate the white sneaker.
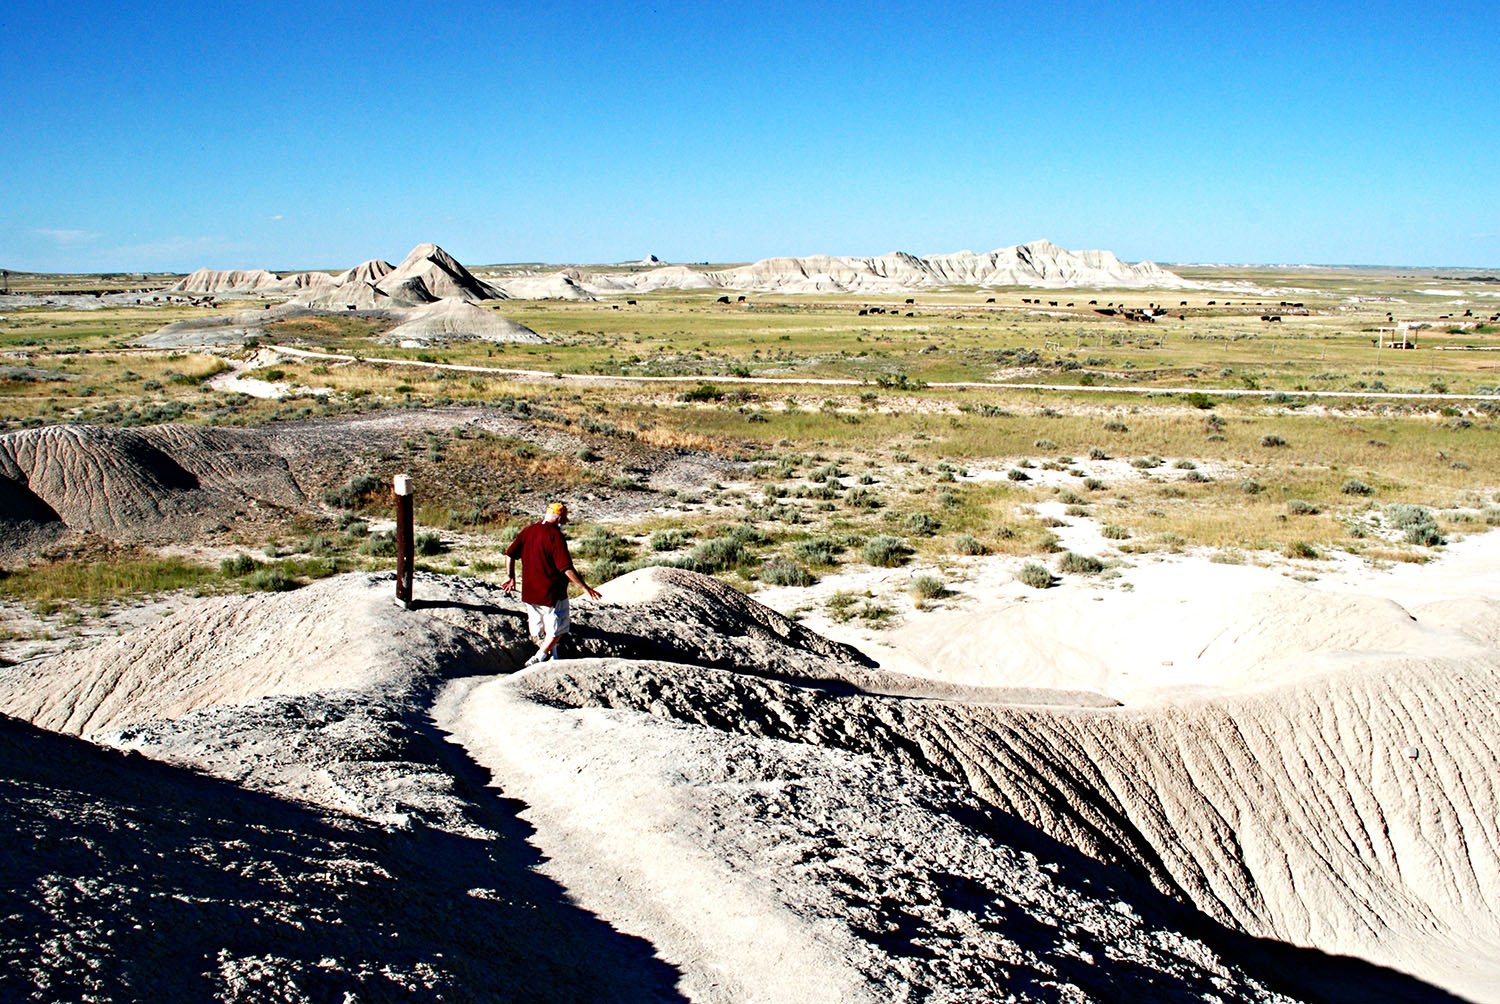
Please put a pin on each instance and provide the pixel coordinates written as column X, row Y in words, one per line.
column 540, row 657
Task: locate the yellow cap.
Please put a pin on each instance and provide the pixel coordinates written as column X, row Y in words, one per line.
column 557, row 509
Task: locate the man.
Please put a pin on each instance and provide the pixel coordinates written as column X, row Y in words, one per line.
column 546, row 569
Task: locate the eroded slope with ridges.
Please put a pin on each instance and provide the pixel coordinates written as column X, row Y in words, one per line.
column 1356, row 812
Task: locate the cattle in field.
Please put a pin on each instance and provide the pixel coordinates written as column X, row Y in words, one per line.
column 722, row 299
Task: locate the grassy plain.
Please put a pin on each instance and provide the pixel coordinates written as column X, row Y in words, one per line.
column 832, row 465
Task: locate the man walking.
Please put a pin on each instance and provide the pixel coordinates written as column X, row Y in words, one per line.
column 546, row 569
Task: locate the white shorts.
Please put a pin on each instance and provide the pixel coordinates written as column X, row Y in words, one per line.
column 546, row 622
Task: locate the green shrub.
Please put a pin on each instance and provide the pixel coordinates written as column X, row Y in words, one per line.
column 354, row 493
column 1113, row 532
column 1301, row 549
column 967, row 543
column 1096, row 453
column 1301, row 507
column 927, row 587
column 1079, row 564
column 817, row 550
column 716, row 555
column 1251, row 487
column 1185, row 465
column 861, row 498
column 885, row 551
column 1146, row 463
column 668, row 540
column 600, row 544
column 702, row 392
column 429, row 544
column 1418, row 524
column 380, row 545
column 920, row 524
column 1272, row 440
column 782, row 571
column 271, row 579
column 841, row 606
column 1093, row 484
column 1354, row 486
column 1034, row 575
column 1016, row 474
column 240, row 564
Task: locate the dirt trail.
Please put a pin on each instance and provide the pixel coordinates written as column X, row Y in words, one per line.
column 717, row 378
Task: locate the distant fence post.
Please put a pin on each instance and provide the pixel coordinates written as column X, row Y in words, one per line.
column 405, row 543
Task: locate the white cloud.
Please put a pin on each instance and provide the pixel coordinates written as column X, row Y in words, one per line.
column 66, row 237
column 278, row 216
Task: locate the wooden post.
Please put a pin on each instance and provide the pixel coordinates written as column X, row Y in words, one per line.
column 405, row 540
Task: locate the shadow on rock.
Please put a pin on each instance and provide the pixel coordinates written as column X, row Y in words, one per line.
column 126, row 878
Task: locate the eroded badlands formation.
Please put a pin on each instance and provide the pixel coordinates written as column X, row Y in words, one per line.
column 429, row 273
column 323, row 793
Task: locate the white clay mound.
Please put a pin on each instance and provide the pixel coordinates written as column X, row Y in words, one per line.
column 455, row 320
column 777, row 819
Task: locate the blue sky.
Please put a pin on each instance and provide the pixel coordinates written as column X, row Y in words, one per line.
column 171, row 136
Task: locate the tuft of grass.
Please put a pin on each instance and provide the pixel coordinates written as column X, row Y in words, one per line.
column 920, row 524
column 1416, row 523
column 271, row 579
column 1113, row 532
column 1079, row 564
column 668, row 540
column 719, row 554
column 1301, row 549
column 379, row 545
column 818, row 550
column 780, row 570
column 1354, row 486
column 927, row 587
column 240, row 564
column 841, row 606
column 1271, row 440
column 354, row 494
column 885, row 551
column 967, row 543
column 1034, row 575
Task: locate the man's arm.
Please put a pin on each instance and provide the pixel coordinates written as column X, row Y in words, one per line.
column 510, row 574
column 578, row 581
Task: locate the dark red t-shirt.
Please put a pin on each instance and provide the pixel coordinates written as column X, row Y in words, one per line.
column 544, row 563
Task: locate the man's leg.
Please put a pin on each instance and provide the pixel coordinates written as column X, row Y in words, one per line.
column 540, row 623
column 557, row 622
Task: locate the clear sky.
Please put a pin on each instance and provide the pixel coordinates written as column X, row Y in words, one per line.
column 173, row 136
